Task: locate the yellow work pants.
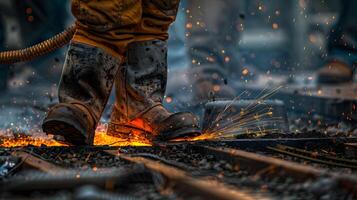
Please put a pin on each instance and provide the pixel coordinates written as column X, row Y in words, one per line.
column 113, row 24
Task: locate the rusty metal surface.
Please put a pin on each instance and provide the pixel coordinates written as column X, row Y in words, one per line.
column 265, row 164
column 34, row 162
column 258, row 143
column 190, row 186
column 335, row 102
column 315, row 157
column 256, row 162
column 353, row 145
column 226, row 110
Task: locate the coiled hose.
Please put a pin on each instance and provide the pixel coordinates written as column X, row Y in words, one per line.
column 43, row 48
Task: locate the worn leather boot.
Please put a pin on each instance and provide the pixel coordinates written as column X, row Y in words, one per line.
column 85, row 86
column 334, row 73
column 140, row 89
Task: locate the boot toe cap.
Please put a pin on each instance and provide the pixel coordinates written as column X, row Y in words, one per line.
column 70, row 122
column 179, row 125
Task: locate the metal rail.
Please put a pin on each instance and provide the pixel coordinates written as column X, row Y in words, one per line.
column 352, row 145
column 193, row 187
column 253, row 162
column 258, row 163
column 261, row 144
column 177, row 176
column 315, row 157
column 32, row 161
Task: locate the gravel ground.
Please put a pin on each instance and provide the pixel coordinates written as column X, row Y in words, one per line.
column 198, row 165
column 283, row 187
column 84, row 159
column 78, row 157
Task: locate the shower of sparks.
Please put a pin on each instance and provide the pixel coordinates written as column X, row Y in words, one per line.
column 252, row 120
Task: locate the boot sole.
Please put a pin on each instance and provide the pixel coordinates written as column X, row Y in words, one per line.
column 67, row 131
column 178, row 134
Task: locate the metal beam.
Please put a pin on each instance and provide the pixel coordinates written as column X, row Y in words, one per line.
column 186, row 185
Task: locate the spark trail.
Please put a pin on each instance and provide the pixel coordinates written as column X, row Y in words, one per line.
column 251, row 120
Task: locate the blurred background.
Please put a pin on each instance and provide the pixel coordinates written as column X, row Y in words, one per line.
column 217, row 48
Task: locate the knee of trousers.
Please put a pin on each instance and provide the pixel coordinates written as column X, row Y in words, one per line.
column 167, row 7
column 106, row 15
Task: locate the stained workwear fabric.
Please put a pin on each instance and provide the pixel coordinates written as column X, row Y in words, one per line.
column 113, row 24
column 87, row 79
column 88, row 76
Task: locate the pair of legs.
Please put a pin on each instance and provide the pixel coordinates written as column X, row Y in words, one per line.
column 121, row 43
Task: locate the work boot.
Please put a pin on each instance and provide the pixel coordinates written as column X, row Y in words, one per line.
column 140, row 89
column 334, row 73
column 85, row 86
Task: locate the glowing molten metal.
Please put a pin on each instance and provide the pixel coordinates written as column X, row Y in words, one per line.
column 101, row 139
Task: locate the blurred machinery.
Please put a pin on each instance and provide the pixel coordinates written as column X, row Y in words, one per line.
column 26, row 87
column 287, row 35
column 24, row 23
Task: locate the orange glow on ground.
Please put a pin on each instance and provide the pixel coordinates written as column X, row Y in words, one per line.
column 101, row 139
column 202, row 137
column 28, row 141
